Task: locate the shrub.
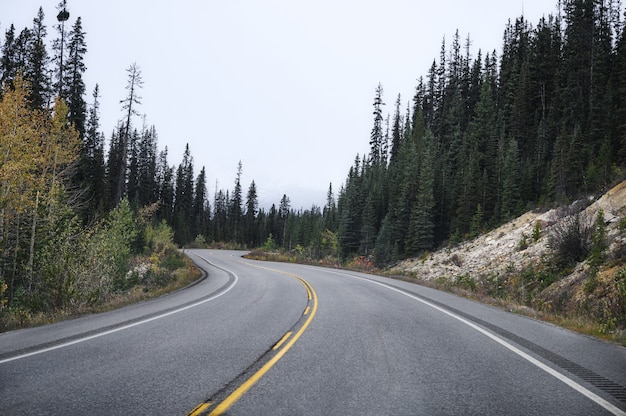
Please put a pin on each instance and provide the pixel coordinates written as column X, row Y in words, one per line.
column 159, row 236
column 599, row 243
column 200, row 241
column 173, row 260
column 570, row 239
column 465, row 281
column 537, row 231
column 269, row 245
column 523, row 242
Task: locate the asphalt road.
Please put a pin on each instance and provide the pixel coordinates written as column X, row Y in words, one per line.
column 283, row 339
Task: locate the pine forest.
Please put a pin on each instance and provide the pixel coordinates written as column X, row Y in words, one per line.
column 484, row 138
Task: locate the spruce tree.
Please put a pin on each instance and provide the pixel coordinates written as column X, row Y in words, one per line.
column 8, row 63
column 252, row 209
column 421, row 228
column 220, row 217
column 377, row 135
column 283, row 218
column 166, row 187
column 116, row 169
column 130, row 103
column 511, row 196
column 235, row 208
column 350, row 210
column 183, row 201
column 330, row 210
column 73, row 83
column 59, row 46
column 91, row 171
column 200, row 206
column 37, row 65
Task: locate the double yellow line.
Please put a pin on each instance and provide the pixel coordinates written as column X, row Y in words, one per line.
column 282, row 346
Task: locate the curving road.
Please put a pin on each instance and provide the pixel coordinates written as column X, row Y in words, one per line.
column 283, row 339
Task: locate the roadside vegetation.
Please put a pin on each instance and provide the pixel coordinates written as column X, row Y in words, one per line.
column 120, row 260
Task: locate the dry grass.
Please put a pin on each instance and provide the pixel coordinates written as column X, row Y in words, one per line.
column 580, row 324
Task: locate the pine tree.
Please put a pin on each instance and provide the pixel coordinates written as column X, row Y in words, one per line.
column 545, row 59
column 330, row 210
column 73, row 77
column 283, row 218
column 235, row 209
column 377, row 137
column 220, row 216
column 116, row 169
column 165, row 181
column 421, row 236
column 511, row 197
column 145, row 151
column 482, row 136
column 132, row 180
column 200, row 206
column 91, row 171
column 8, row 63
column 396, row 133
column 350, row 210
column 183, row 201
column 60, row 49
column 37, row 65
column 130, row 103
column 252, row 209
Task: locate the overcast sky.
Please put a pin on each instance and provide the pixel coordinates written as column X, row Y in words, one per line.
column 285, row 86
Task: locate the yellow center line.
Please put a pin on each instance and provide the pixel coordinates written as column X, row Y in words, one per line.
column 199, row 409
column 282, row 340
column 242, row 389
column 306, row 311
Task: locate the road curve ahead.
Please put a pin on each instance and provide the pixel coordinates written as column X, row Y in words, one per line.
column 257, row 338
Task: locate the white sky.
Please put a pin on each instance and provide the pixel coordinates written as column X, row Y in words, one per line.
column 285, row 86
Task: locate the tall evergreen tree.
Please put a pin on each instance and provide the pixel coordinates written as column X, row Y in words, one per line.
column 59, row 46
column 421, row 236
column 8, row 63
column 165, row 181
column 220, row 216
column 146, row 151
column 283, row 218
column 116, row 168
column 37, row 65
column 252, row 209
column 396, row 133
column 183, row 201
column 377, row 137
column 330, row 210
column 91, row 172
column 511, row 196
column 200, row 206
column 235, row 211
column 73, row 77
column 130, row 103
column 350, row 210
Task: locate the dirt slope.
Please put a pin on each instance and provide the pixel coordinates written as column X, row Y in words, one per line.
column 511, row 247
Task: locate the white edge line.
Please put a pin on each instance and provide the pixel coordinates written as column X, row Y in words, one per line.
column 121, row 328
column 560, row 376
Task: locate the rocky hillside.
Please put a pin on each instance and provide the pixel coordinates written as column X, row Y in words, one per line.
column 515, row 262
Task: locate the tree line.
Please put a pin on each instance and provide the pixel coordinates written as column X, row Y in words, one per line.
column 73, row 212
column 482, row 139
column 488, row 137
